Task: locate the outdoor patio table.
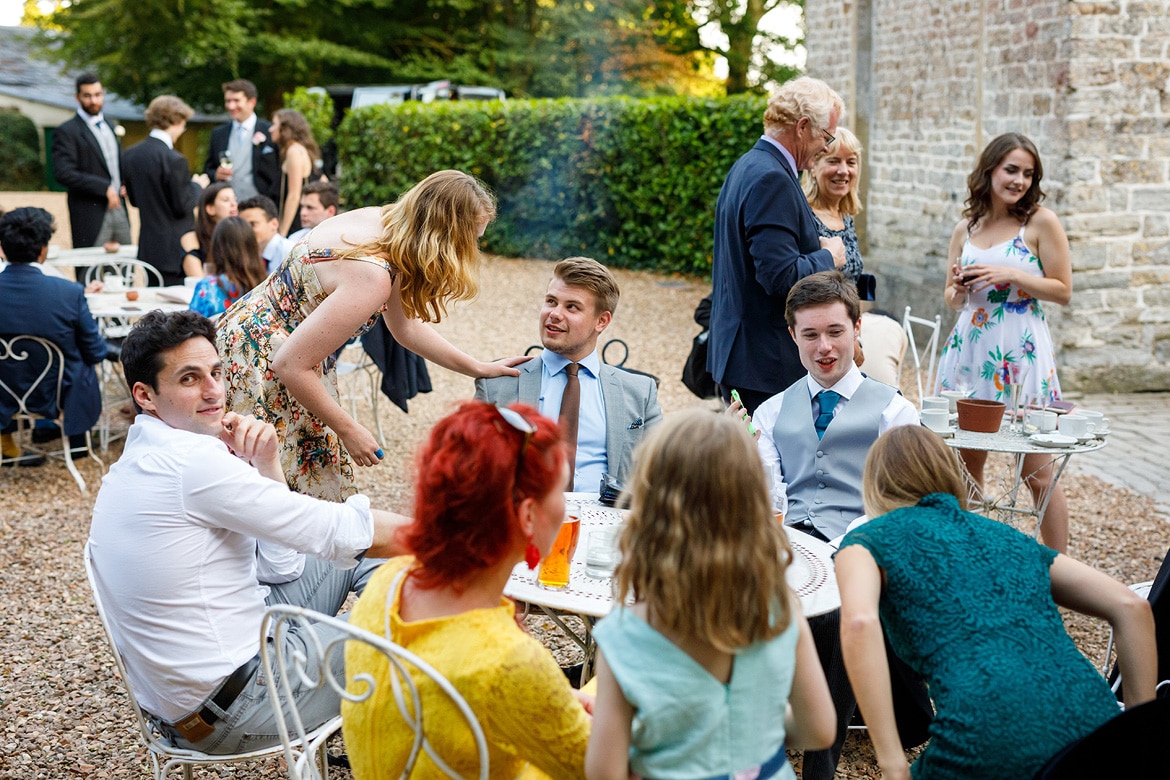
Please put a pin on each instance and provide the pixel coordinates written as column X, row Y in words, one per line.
column 810, row 575
column 1003, row 505
column 115, row 306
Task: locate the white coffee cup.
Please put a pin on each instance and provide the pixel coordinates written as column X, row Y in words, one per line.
column 1095, row 418
column 1044, row 422
column 938, row 420
column 936, row 402
column 953, row 397
column 1074, row 425
column 113, row 282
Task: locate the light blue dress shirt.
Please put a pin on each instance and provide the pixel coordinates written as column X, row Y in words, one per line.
column 591, row 453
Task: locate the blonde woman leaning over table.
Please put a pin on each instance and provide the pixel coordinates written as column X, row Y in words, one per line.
column 1007, row 254
column 488, row 495
column 831, row 190
column 712, row 673
column 402, row 263
column 971, row 605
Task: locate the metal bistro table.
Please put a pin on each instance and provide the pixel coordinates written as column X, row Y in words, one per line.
column 1004, row 505
column 810, row 575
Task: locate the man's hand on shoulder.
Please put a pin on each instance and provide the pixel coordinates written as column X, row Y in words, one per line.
column 836, row 247
column 254, row 441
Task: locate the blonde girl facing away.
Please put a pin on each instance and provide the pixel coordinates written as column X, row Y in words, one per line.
column 971, row 605
column 298, row 154
column 712, row 671
column 403, row 264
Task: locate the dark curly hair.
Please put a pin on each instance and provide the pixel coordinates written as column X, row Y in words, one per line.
column 154, row 334
column 24, row 232
column 979, row 182
column 470, row 480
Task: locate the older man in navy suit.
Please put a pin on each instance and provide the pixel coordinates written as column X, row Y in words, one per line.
column 37, row 304
column 765, row 241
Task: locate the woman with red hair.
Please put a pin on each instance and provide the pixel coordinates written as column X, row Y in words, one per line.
column 489, row 494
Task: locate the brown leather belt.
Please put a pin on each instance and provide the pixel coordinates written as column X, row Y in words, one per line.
column 199, row 724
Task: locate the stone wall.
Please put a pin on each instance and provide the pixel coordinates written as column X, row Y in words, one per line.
column 929, row 82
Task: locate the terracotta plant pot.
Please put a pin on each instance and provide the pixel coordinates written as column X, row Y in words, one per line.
column 981, row 416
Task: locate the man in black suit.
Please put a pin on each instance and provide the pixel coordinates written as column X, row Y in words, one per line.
column 159, row 183
column 252, row 163
column 765, row 241
column 37, row 304
column 87, row 161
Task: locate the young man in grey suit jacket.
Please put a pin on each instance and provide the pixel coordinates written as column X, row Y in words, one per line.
column 616, row 407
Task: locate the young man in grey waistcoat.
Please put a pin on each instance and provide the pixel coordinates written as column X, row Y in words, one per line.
column 814, row 437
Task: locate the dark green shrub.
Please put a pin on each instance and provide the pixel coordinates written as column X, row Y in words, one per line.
column 630, row 182
column 20, row 153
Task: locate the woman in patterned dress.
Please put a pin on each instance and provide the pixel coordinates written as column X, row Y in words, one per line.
column 402, row 263
column 1007, row 254
column 831, row 190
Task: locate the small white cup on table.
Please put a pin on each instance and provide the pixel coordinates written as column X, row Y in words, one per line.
column 937, row 420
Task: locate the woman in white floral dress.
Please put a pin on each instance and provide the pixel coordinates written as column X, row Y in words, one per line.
column 1007, row 254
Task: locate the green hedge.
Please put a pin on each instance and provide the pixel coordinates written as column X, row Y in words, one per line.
column 20, row 153
column 630, row 182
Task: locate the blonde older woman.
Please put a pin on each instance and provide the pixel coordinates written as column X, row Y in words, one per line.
column 831, row 189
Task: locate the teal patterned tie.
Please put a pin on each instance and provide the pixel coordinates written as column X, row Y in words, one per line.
column 828, row 401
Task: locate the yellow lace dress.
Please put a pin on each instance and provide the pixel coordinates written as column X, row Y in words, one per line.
column 315, row 461
column 535, row 727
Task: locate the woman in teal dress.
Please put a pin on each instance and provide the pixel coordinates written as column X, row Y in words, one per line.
column 971, row 605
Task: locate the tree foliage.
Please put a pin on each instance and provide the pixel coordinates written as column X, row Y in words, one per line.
column 531, row 48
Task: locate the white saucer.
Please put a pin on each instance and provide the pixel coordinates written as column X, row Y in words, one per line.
column 1102, row 433
column 1053, row 440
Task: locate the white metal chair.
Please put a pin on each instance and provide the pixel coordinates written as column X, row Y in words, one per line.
column 927, row 353
column 22, row 385
column 164, row 756
column 281, row 673
column 128, row 269
column 356, row 366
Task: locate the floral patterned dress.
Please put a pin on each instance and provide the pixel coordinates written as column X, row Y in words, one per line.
column 213, row 295
column 1001, row 337
column 249, row 334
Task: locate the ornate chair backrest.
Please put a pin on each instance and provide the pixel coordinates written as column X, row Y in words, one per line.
column 31, row 372
column 283, row 673
column 126, row 268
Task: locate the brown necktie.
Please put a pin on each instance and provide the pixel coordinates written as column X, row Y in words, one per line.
column 571, row 410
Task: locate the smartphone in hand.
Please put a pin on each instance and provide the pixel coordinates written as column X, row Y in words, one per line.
column 746, row 417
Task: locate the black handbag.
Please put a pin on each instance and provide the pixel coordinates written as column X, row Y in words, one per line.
column 695, row 375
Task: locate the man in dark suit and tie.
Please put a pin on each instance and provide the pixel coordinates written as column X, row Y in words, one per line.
column 159, row 183
column 253, row 166
column 87, row 162
column 37, row 304
column 765, row 241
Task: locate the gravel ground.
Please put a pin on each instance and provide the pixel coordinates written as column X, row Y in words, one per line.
column 62, row 711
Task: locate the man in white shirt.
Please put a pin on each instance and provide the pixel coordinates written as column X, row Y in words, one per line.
column 195, row 531
column 615, row 407
column 260, row 212
column 87, row 162
column 813, row 439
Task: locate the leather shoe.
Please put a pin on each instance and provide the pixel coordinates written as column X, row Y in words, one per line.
column 45, row 435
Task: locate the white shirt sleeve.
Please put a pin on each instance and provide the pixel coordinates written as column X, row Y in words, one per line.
column 765, row 420
column 225, row 492
column 276, row 563
column 898, row 411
